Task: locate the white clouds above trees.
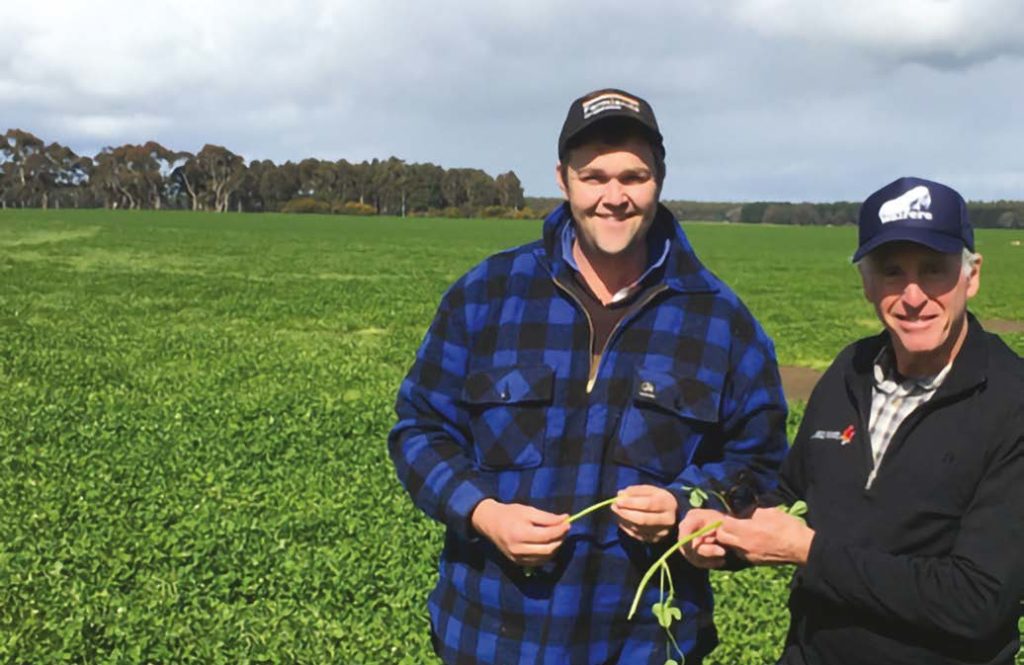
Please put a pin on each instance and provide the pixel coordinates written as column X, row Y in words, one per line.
column 758, row 98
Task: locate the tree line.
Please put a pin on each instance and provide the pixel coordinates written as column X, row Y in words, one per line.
column 150, row 176
column 984, row 214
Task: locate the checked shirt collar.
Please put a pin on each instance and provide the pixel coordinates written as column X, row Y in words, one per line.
column 888, row 380
column 653, row 240
column 893, row 398
column 682, row 271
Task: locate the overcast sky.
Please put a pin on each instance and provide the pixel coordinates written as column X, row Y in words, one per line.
column 757, row 99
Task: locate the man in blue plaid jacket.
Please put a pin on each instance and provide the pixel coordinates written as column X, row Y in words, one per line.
column 603, row 360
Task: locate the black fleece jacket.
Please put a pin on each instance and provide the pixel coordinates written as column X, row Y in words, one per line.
column 926, row 566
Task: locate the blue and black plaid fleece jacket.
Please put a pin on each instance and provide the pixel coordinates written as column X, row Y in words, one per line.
column 496, row 406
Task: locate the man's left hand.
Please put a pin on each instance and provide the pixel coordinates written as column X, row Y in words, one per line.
column 769, row 536
column 646, row 512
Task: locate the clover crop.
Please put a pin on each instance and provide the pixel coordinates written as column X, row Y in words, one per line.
column 208, row 454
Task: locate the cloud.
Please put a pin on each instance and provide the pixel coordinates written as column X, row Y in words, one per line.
column 757, row 99
column 105, row 127
column 938, row 33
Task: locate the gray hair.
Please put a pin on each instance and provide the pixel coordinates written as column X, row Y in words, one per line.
column 968, row 262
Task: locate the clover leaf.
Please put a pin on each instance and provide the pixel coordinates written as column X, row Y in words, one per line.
column 798, row 509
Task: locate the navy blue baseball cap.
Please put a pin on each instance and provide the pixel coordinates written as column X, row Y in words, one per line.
column 915, row 210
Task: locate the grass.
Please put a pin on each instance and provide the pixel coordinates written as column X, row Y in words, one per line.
column 194, row 408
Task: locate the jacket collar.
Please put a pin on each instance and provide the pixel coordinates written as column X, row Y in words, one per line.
column 969, row 370
column 683, row 271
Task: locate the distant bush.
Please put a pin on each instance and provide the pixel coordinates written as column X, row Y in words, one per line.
column 306, row 204
column 454, row 212
column 354, row 208
column 494, row 212
column 528, row 213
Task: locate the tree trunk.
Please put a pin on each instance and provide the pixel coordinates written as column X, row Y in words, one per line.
column 191, row 193
column 131, row 204
column 218, row 197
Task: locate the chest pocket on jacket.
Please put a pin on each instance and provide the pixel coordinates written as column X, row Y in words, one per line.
column 508, row 414
column 664, row 421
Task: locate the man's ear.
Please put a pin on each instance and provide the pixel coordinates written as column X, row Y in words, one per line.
column 560, row 179
column 862, row 270
column 974, row 279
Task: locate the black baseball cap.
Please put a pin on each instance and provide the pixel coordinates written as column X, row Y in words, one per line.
column 605, row 104
column 915, row 210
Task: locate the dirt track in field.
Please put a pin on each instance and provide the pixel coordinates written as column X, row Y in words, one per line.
column 1002, row 326
column 797, row 382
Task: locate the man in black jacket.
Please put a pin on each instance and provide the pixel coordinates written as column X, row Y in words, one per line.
column 911, row 460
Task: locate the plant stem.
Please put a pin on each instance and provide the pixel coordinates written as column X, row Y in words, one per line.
column 657, row 564
column 587, row 511
column 725, row 503
column 675, row 645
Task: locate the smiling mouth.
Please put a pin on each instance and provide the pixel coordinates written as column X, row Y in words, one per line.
column 915, row 322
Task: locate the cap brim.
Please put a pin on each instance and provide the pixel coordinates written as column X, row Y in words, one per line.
column 656, row 138
column 940, row 242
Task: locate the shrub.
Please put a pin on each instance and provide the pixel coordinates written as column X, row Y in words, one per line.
column 306, row 204
column 353, row 208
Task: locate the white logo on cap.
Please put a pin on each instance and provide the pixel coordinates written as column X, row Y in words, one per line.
column 609, row 101
column 913, row 204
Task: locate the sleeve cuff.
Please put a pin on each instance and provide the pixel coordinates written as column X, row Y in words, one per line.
column 682, row 500
column 815, row 571
column 460, row 506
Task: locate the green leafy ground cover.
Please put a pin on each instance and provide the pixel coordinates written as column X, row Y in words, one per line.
column 193, row 411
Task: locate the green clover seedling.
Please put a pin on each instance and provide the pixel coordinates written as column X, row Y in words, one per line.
column 798, row 509
column 665, row 610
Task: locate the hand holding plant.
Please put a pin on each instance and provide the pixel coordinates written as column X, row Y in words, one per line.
column 704, row 551
column 527, row 536
column 769, row 536
column 699, row 537
column 646, row 512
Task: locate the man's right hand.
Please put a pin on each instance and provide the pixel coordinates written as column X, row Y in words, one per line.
column 527, row 536
column 704, row 551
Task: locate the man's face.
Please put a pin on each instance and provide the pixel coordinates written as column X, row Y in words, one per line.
column 613, row 194
column 920, row 296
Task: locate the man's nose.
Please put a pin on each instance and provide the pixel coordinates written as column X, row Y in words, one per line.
column 913, row 295
column 614, row 193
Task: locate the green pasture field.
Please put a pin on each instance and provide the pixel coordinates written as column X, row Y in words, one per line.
column 193, row 413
